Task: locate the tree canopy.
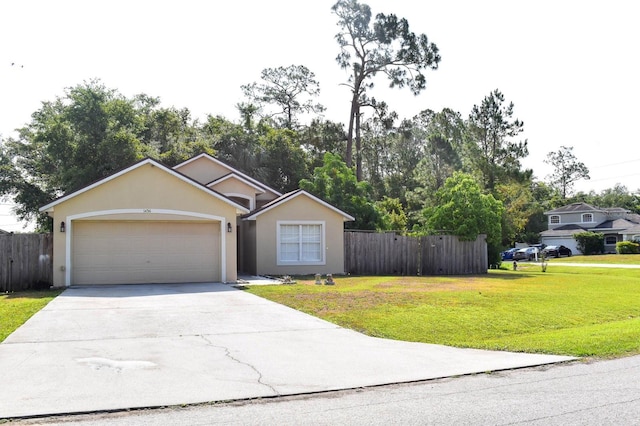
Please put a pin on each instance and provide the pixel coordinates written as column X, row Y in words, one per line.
column 291, row 90
column 566, row 170
column 491, row 129
column 336, row 183
column 464, row 210
column 385, row 45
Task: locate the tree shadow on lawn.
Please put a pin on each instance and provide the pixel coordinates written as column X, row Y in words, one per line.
column 510, row 275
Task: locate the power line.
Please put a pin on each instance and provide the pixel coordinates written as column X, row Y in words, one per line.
column 615, row 164
column 614, row 177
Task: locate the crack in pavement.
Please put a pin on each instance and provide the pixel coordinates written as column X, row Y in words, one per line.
column 227, row 353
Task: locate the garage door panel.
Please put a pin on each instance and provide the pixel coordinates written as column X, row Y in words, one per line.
column 115, row 252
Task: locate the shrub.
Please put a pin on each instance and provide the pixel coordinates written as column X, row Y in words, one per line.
column 590, row 242
column 494, row 256
column 627, row 247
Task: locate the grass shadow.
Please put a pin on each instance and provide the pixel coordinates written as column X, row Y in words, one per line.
column 31, row 294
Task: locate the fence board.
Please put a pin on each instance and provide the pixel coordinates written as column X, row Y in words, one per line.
column 25, row 261
column 370, row 253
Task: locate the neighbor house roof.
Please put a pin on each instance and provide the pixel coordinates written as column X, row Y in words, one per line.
column 616, row 224
column 290, row 196
column 574, row 208
column 563, row 231
column 231, row 169
column 633, row 217
column 633, row 230
column 141, row 163
column 615, row 210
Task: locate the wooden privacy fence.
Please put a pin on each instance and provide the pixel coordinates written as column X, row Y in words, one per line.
column 25, row 261
column 370, row 253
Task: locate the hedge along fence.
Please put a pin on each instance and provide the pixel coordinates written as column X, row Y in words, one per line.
column 370, row 253
column 26, row 261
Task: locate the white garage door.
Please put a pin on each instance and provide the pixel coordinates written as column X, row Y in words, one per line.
column 117, row 252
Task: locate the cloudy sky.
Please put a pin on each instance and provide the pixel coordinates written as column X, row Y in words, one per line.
column 571, row 68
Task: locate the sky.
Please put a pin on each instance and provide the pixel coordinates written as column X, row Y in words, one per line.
column 571, row 68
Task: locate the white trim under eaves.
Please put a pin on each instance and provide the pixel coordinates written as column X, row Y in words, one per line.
column 286, row 198
column 231, row 169
column 153, row 163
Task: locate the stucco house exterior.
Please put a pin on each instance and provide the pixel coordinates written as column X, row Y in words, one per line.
column 200, row 221
column 617, row 224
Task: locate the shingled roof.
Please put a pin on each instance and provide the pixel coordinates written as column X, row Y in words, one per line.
column 574, row 208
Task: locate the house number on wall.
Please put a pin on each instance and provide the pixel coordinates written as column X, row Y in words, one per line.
column 146, row 210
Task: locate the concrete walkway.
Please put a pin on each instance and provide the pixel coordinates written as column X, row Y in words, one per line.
column 118, row 347
column 586, row 265
column 597, row 265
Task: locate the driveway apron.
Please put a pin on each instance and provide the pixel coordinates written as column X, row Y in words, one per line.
column 119, row 347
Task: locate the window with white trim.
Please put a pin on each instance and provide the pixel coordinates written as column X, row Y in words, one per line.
column 555, row 219
column 300, row 243
column 610, row 240
column 587, row 217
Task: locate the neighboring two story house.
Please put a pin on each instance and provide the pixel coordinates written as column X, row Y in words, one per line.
column 616, row 224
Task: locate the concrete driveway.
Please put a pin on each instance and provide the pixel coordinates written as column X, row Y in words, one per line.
column 118, row 347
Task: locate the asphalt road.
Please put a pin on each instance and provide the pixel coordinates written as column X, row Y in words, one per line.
column 576, row 393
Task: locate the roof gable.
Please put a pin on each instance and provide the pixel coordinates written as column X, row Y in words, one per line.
column 231, row 169
column 234, row 176
column 290, row 196
column 147, row 161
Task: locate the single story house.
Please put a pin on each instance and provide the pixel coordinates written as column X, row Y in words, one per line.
column 616, row 224
column 200, row 221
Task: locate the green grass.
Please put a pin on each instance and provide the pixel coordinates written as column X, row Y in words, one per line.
column 633, row 259
column 17, row 308
column 592, row 312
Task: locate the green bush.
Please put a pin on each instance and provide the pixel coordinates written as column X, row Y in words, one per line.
column 590, row 242
column 627, row 247
column 494, row 256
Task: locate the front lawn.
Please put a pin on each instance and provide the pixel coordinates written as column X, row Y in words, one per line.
column 632, row 259
column 17, row 308
column 567, row 310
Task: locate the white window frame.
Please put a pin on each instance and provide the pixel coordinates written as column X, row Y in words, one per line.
column 552, row 217
column 323, row 255
column 584, row 215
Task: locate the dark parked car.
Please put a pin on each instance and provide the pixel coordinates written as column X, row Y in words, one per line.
column 528, row 253
column 508, row 254
column 557, row 251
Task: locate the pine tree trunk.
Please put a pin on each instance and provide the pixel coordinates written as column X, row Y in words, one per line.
column 358, row 147
column 349, row 153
